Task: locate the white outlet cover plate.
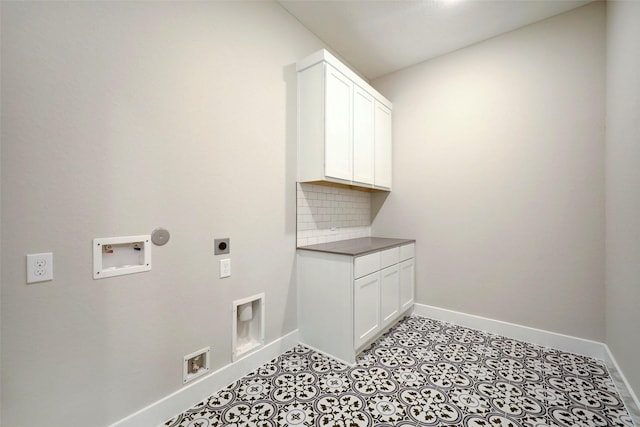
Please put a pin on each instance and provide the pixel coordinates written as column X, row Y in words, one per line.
column 225, row 268
column 39, row 267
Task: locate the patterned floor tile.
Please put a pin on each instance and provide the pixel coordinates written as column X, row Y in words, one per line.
column 422, row 372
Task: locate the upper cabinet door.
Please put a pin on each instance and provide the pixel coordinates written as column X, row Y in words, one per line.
column 338, row 110
column 383, row 155
column 363, row 136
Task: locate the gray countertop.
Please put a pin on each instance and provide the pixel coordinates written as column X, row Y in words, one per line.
column 357, row 247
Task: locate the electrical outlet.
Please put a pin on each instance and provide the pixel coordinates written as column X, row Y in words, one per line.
column 225, row 268
column 39, row 267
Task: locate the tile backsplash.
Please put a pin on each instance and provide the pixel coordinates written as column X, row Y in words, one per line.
column 327, row 214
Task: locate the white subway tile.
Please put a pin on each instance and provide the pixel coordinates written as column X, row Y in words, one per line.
column 319, row 208
column 304, row 210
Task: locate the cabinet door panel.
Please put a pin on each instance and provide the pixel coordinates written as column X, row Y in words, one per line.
column 366, row 309
column 389, row 294
column 363, row 142
column 338, row 138
column 383, row 153
column 407, row 283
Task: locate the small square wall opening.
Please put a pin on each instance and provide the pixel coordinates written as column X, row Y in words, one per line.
column 248, row 325
column 196, row 364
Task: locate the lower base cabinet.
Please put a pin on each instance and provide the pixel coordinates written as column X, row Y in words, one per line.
column 345, row 302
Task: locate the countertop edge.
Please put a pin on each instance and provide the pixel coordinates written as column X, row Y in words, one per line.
column 356, row 244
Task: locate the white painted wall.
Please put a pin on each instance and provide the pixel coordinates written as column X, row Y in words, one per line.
column 117, row 118
column 623, row 186
column 499, row 175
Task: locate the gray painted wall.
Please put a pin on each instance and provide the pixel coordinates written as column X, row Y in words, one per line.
column 117, row 118
column 499, row 175
column 623, row 186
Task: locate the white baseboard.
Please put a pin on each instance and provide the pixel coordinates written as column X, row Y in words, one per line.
column 555, row 340
column 624, row 388
column 183, row 399
column 535, row 336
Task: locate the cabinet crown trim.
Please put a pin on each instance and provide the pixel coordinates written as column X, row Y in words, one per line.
column 325, row 56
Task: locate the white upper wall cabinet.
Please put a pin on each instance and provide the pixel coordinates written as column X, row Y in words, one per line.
column 344, row 126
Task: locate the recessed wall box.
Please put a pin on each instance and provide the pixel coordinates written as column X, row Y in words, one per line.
column 248, row 325
column 195, row 364
column 222, row 246
column 115, row 256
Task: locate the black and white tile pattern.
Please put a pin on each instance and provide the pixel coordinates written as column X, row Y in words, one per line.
column 422, row 372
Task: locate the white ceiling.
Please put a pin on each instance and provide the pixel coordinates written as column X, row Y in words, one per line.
column 378, row 37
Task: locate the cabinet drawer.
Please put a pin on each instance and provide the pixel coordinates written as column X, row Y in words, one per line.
column 389, row 257
column 366, row 264
column 407, row 251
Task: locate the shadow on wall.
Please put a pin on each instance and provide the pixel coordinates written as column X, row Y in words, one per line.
column 377, row 200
